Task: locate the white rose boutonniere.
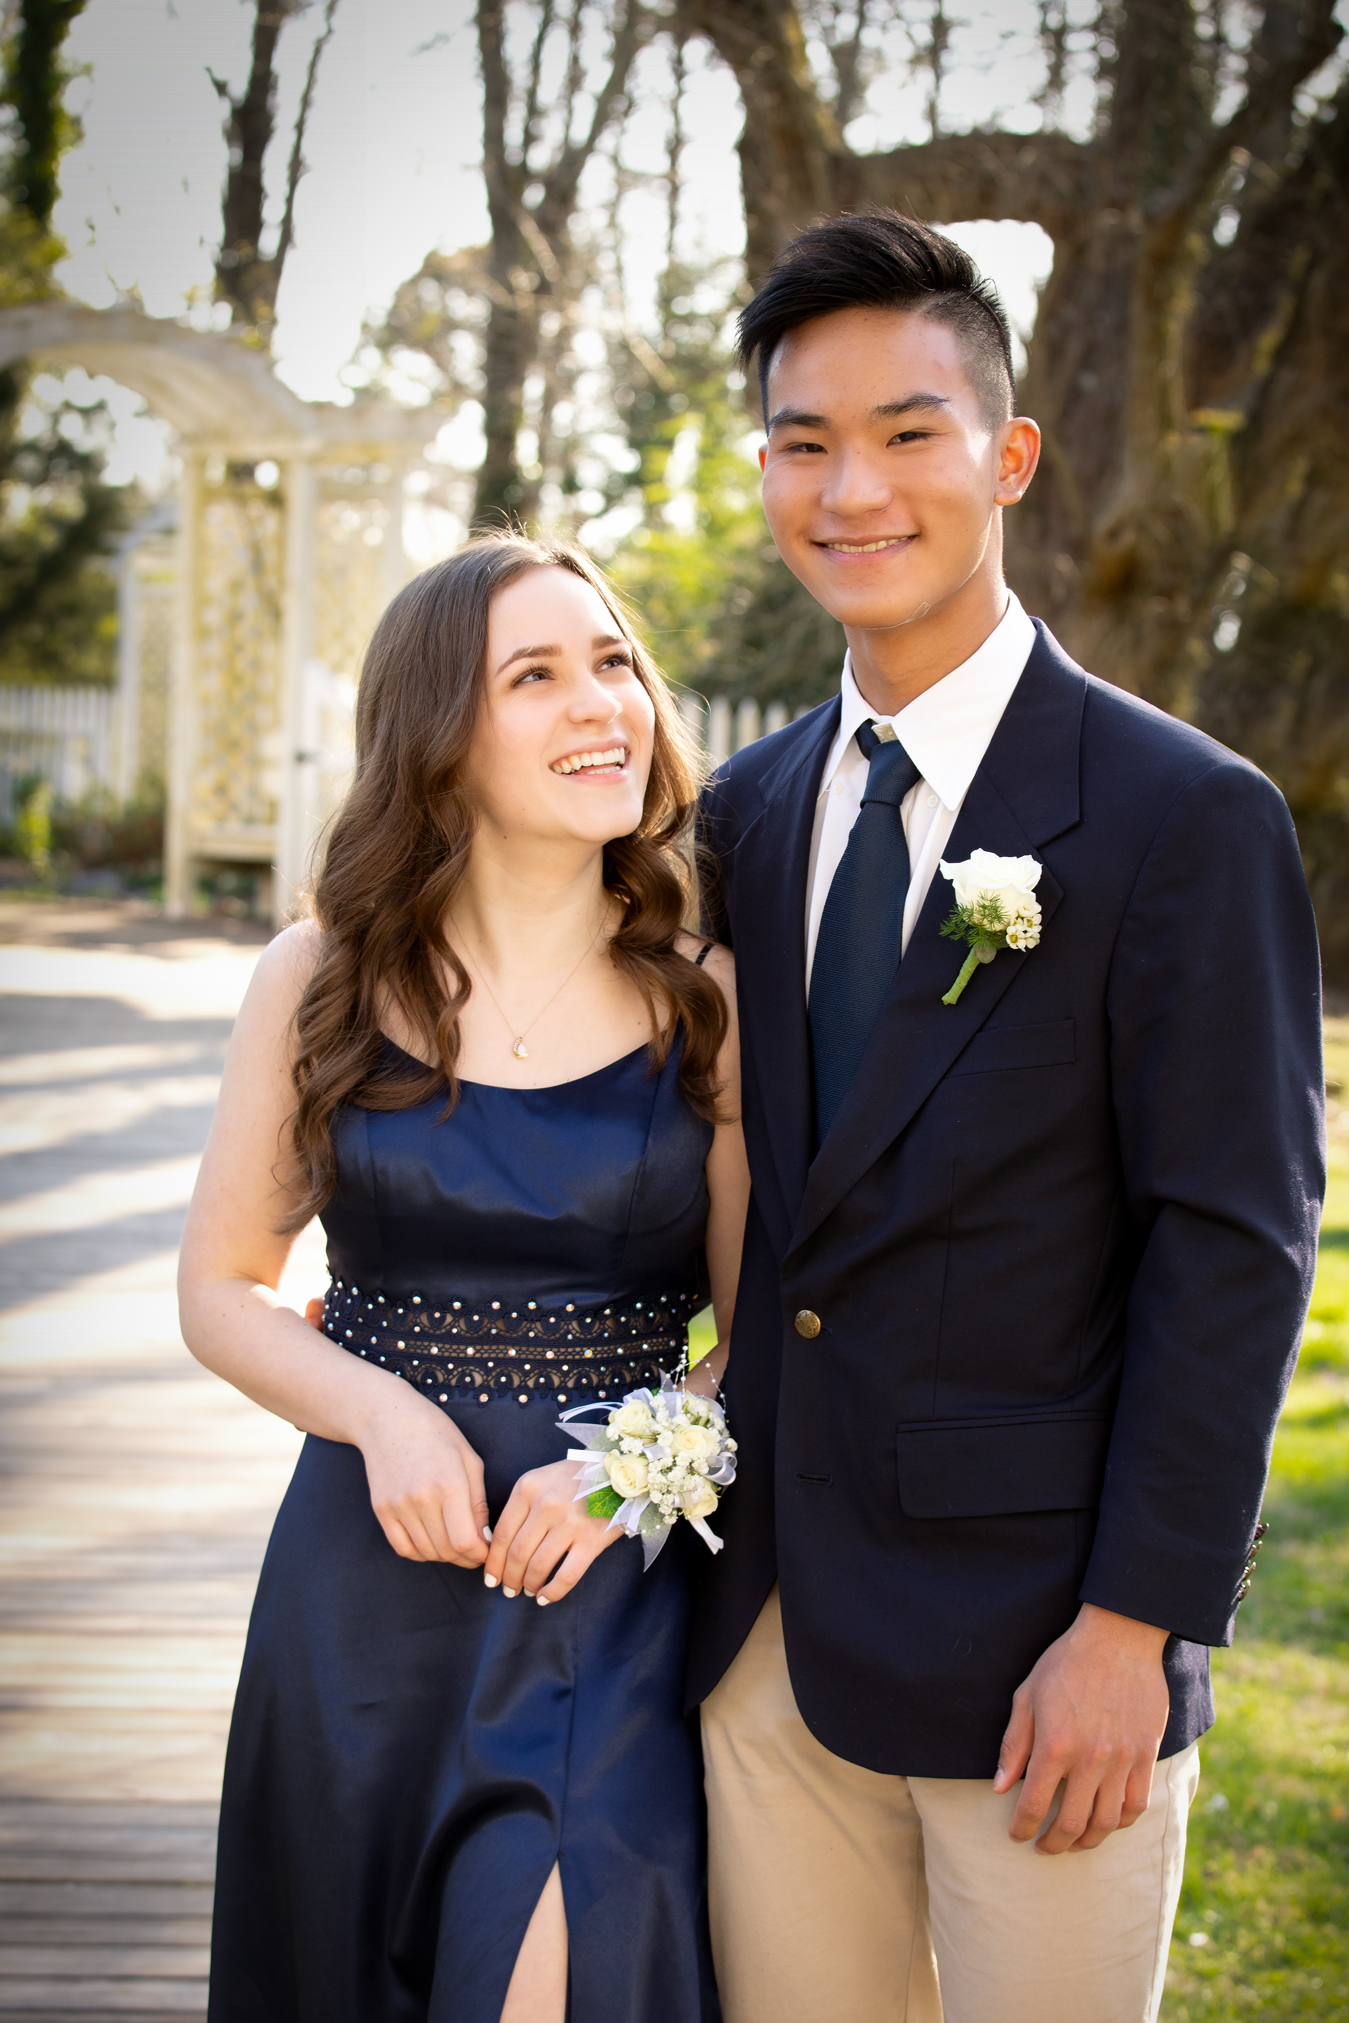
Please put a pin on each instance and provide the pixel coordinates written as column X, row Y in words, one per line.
column 995, row 908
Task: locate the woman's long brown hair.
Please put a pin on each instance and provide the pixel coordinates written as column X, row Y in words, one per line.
column 399, row 848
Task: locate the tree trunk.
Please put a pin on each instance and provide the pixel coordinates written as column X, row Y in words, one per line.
column 1193, row 396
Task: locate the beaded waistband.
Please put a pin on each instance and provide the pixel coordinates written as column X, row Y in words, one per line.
column 484, row 1349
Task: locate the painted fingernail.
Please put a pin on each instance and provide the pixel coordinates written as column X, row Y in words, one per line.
column 510, row 1593
column 542, row 1601
column 490, row 1580
column 487, row 1533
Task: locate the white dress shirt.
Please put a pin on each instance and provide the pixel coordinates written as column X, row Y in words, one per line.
column 945, row 731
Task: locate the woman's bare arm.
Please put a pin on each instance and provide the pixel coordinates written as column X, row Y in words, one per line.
column 727, row 1185
column 426, row 1482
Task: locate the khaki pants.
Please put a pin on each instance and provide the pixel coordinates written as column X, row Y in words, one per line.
column 840, row 1895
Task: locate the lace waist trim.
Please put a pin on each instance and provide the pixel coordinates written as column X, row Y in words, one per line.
column 485, row 1349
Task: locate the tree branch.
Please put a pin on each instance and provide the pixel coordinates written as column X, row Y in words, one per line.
column 297, row 166
column 561, row 181
column 1041, row 179
column 1294, row 40
column 530, row 122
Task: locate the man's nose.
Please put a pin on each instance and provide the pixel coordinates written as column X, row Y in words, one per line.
column 855, row 483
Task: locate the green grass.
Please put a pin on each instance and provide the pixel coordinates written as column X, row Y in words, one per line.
column 1263, row 1926
column 702, row 1335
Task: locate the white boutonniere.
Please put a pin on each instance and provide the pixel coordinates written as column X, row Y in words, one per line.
column 995, row 908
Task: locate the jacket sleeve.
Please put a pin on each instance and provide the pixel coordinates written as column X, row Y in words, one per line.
column 1214, row 1008
column 714, row 849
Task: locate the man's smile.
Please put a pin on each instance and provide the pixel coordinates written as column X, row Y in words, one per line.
column 866, row 547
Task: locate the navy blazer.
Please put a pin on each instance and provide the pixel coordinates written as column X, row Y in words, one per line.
column 1060, row 1237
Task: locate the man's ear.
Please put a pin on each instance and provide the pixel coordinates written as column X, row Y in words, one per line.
column 1017, row 458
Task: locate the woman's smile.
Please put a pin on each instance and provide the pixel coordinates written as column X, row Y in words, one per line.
column 604, row 763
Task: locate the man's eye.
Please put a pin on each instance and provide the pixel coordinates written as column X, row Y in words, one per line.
column 911, row 435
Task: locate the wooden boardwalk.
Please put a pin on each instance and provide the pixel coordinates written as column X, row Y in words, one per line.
column 135, row 1491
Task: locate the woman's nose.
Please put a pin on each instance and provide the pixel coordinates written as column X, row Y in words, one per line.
column 594, row 703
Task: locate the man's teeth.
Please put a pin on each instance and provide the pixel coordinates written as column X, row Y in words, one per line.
column 865, row 547
column 579, row 761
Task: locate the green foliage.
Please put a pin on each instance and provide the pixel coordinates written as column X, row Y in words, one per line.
column 58, row 605
column 724, row 615
column 101, row 833
column 58, row 600
column 1263, row 1925
column 603, row 1503
column 33, row 827
column 35, row 82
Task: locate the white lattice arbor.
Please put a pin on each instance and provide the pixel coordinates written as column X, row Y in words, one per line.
column 278, row 586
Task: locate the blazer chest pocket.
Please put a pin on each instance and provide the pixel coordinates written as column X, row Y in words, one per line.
column 1043, row 1046
column 998, row 1467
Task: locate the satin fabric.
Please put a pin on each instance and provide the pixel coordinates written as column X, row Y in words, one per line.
column 411, row 1752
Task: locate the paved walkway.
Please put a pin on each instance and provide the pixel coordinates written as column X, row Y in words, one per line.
column 136, row 1491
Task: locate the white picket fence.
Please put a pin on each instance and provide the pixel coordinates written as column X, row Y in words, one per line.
column 68, row 735
column 722, row 727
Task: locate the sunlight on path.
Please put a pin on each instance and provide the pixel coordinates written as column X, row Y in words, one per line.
column 136, row 1491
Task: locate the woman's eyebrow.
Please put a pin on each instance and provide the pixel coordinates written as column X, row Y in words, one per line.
column 529, row 653
column 600, row 640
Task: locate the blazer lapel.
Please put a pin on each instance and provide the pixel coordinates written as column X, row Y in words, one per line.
column 1025, row 792
column 772, row 859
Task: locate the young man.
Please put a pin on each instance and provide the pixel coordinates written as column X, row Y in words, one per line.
column 1025, row 1272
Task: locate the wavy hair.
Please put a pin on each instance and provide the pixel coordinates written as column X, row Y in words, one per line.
column 399, row 848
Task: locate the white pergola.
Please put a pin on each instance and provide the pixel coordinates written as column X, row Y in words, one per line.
column 278, row 586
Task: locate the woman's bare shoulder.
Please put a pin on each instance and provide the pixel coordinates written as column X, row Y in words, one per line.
column 284, row 969
column 718, row 962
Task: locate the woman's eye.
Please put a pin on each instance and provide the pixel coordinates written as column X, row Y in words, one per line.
column 617, row 660
column 532, row 674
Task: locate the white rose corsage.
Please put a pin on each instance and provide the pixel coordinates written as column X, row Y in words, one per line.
column 995, row 908
column 660, row 1456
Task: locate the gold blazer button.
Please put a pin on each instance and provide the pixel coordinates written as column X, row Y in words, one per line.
column 807, row 1324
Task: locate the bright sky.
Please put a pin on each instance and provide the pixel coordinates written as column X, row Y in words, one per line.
column 394, row 144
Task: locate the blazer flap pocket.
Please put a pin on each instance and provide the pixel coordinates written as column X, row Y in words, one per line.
column 1046, row 1046
column 994, row 1467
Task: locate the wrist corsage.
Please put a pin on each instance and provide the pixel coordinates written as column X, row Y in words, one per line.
column 660, row 1456
column 995, row 908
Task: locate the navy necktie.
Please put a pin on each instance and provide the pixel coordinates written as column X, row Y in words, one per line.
column 858, row 946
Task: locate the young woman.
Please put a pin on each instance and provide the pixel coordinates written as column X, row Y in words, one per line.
column 459, row 1783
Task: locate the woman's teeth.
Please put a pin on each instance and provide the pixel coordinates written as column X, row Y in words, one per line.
column 581, row 762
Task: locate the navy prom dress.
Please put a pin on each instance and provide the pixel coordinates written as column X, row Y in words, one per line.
column 411, row 1752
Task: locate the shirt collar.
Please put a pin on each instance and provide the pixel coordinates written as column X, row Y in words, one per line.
column 947, row 729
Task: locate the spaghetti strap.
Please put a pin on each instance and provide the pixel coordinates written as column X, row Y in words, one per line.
column 706, row 949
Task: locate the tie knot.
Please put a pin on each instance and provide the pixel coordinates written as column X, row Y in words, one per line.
column 891, row 772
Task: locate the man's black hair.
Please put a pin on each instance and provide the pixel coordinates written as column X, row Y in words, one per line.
column 880, row 260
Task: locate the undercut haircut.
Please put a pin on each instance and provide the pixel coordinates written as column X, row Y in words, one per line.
column 882, row 260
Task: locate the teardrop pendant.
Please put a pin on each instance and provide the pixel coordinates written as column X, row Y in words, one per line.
column 520, row 1050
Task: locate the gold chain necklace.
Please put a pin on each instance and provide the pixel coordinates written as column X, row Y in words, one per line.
column 518, row 1047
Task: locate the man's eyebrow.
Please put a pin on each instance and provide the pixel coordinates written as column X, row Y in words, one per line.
column 913, row 402
column 795, row 417
column 551, row 652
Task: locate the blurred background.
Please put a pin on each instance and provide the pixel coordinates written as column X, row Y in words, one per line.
column 293, row 293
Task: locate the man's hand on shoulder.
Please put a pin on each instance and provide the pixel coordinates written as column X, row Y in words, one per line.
column 1092, row 1712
